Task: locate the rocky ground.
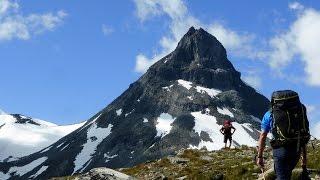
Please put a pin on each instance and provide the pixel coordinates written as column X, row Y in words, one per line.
column 232, row 164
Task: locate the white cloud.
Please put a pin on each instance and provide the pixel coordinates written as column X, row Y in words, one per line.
column 253, row 80
column 14, row 25
column 315, row 130
column 314, row 119
column 296, row 6
column 147, row 9
column 299, row 42
column 107, row 30
column 143, row 63
column 238, row 44
column 310, row 108
column 6, row 5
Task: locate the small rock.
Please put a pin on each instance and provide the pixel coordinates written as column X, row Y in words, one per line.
column 104, row 173
column 180, row 152
column 182, row 178
column 206, row 158
column 177, row 160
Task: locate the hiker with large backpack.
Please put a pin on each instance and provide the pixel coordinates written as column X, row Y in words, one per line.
column 287, row 121
column 226, row 130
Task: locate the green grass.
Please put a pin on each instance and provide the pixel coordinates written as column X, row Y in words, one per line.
column 225, row 164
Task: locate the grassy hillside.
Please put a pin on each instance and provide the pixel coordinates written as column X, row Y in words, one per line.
column 226, row 164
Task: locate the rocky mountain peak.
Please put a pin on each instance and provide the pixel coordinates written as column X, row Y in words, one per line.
column 199, row 58
column 201, row 45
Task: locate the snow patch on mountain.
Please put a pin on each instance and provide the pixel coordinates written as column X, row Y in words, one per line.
column 127, row 114
column 208, row 124
column 163, row 125
column 211, row 92
column 119, row 112
column 241, row 136
column 168, row 88
column 26, row 168
column 186, row 84
column 225, row 111
column 64, row 147
column 19, row 140
column 41, row 170
column 108, row 158
column 95, row 135
column 4, row 176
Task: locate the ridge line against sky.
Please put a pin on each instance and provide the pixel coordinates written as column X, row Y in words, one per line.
column 285, row 51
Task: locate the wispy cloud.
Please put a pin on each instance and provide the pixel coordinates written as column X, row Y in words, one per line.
column 314, row 119
column 296, row 6
column 253, row 80
column 238, row 44
column 299, row 42
column 315, row 130
column 15, row 25
column 107, row 30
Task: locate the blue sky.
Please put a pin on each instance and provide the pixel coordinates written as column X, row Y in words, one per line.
column 63, row 61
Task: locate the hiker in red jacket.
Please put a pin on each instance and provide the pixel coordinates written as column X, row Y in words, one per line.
column 226, row 130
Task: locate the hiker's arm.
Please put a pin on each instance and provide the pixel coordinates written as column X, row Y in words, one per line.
column 262, row 144
column 304, row 157
column 221, row 130
column 234, row 129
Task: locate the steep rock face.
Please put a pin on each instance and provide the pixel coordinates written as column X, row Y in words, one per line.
column 180, row 102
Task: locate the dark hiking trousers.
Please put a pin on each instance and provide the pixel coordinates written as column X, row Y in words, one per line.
column 285, row 160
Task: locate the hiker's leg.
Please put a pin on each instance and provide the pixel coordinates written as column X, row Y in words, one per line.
column 230, row 142
column 225, row 140
column 281, row 164
column 293, row 158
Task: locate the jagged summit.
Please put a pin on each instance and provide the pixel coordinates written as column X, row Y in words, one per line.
column 199, row 58
column 180, row 102
column 201, row 44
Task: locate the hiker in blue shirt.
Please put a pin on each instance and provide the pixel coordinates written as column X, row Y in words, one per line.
column 287, row 148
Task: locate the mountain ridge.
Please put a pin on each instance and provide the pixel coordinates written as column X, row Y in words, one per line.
column 180, row 102
column 22, row 135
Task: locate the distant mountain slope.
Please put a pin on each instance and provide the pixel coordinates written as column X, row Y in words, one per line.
column 21, row 135
column 180, row 102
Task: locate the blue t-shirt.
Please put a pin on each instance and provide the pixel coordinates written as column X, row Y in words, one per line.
column 266, row 122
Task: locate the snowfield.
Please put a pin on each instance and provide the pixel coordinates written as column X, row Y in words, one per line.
column 95, row 135
column 225, row 111
column 185, row 84
column 18, row 140
column 163, row 125
column 21, row 170
column 208, row 123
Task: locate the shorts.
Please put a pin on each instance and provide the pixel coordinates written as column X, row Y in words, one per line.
column 227, row 137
